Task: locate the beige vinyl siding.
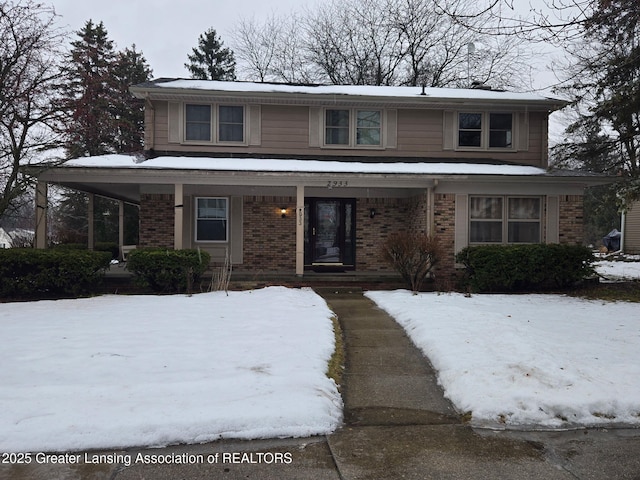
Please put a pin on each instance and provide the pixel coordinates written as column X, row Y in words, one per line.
column 632, row 230
column 161, row 130
column 290, row 130
column 285, row 129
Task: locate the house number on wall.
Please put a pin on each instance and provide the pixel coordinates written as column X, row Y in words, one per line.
column 337, row 183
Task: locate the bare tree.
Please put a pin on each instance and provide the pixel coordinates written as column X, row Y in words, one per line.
column 29, row 52
column 272, row 50
column 373, row 42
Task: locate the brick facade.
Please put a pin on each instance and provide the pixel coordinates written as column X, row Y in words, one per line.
column 571, row 225
column 444, row 218
column 269, row 241
column 156, row 220
column 390, row 217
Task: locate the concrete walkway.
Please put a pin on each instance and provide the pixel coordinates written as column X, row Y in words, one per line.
column 398, row 425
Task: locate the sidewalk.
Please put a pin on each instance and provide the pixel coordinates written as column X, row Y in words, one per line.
column 397, row 425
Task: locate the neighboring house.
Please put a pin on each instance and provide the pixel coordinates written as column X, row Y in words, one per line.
column 5, row 239
column 291, row 179
column 631, row 229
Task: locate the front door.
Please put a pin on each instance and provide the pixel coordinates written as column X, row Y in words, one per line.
column 329, row 233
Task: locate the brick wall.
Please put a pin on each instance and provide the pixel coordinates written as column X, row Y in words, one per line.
column 156, row 220
column 571, row 219
column 391, row 216
column 269, row 240
column 444, row 229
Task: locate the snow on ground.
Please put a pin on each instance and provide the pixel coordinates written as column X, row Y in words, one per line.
column 117, row 371
column 548, row 360
column 619, row 270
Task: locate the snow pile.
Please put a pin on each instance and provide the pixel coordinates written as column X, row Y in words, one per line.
column 547, row 360
column 119, row 371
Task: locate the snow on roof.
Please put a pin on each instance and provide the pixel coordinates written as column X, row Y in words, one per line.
column 301, row 166
column 351, row 90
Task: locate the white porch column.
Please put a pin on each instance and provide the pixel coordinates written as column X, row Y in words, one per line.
column 300, row 230
column 120, row 224
column 178, row 215
column 91, row 234
column 41, row 215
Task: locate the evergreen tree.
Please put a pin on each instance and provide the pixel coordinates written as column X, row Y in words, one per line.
column 90, row 94
column 102, row 117
column 210, row 60
column 130, row 68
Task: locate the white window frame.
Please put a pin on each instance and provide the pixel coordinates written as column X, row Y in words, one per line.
column 353, row 129
column 197, row 218
column 214, row 124
column 505, row 220
column 485, row 131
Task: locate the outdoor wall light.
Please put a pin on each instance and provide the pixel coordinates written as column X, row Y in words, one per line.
column 372, row 213
column 283, row 212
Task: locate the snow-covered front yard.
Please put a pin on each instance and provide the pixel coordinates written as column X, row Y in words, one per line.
column 117, row 371
column 548, row 360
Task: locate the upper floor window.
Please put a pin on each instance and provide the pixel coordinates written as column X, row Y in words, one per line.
column 479, row 130
column 230, row 123
column 504, row 219
column 353, row 127
column 198, row 123
column 227, row 122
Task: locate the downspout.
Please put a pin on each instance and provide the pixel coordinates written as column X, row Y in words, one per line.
column 623, row 221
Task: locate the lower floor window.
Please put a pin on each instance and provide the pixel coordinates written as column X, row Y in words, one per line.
column 212, row 219
column 500, row 219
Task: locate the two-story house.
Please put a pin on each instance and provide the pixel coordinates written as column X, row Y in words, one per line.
column 290, row 179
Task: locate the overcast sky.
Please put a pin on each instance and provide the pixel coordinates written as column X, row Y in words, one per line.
column 166, row 30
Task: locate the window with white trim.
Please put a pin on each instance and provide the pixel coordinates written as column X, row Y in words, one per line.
column 212, row 219
column 353, row 127
column 501, row 219
column 478, row 130
column 214, row 123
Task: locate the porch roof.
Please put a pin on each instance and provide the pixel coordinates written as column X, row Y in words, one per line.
column 237, row 164
column 121, row 176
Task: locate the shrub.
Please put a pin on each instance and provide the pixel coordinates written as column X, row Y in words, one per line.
column 110, row 247
column 492, row 268
column 168, row 271
column 413, row 255
column 30, row 272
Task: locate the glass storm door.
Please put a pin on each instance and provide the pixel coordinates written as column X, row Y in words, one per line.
column 330, row 232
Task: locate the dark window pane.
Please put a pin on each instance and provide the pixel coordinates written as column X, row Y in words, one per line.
column 337, row 118
column 524, row 232
column 198, row 122
column 368, row 127
column 230, row 123
column 500, row 130
column 469, row 139
column 485, row 232
column 231, row 114
column 212, row 230
column 470, row 121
